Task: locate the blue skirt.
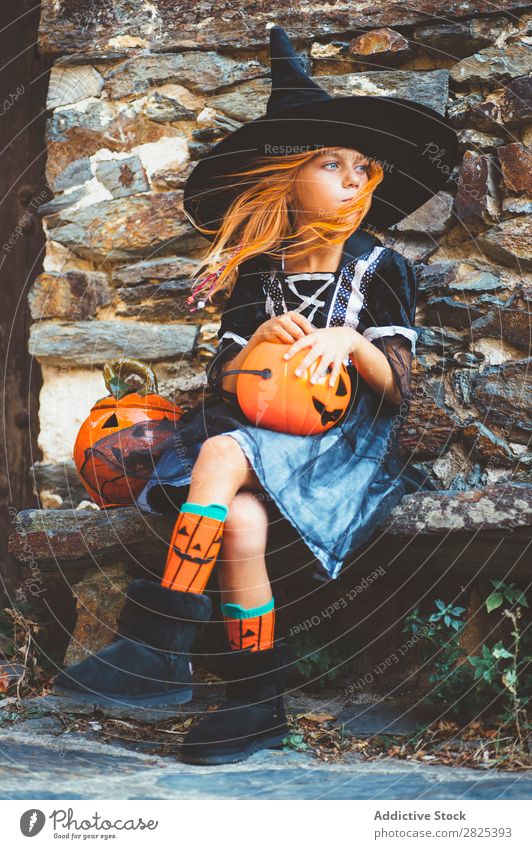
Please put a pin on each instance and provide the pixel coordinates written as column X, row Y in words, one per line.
column 335, row 488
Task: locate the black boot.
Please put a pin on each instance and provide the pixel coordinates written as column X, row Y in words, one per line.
column 149, row 663
column 252, row 717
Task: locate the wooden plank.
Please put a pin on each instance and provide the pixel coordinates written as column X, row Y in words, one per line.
column 485, row 531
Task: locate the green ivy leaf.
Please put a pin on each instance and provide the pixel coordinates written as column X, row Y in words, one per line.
column 493, row 601
column 499, row 651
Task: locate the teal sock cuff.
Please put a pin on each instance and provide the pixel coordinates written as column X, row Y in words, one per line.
column 235, row 611
column 214, row 511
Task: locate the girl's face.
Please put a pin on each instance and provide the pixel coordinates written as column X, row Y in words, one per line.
column 326, row 181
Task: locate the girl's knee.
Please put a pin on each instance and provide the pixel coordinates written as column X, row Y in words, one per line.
column 221, row 448
column 246, row 513
column 246, row 526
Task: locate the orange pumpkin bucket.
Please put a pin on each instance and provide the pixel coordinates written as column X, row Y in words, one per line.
column 271, row 395
column 122, row 439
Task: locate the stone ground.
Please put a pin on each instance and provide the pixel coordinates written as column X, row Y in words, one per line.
column 39, row 760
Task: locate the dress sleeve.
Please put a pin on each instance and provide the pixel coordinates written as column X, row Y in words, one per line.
column 389, row 316
column 243, row 313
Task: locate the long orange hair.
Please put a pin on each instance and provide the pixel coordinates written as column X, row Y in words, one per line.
column 260, row 219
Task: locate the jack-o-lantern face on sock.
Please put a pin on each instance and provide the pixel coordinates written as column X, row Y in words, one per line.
column 192, row 553
column 198, row 552
column 247, row 640
column 254, row 633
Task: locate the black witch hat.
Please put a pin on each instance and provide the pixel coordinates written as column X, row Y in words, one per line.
column 416, row 146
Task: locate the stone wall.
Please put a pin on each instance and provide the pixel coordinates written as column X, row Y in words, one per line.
column 140, row 91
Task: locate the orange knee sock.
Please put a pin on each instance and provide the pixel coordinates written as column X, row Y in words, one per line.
column 194, row 547
column 249, row 629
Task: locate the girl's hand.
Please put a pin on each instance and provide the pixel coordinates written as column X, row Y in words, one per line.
column 329, row 345
column 285, row 328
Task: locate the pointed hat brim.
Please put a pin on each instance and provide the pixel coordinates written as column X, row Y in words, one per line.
column 416, row 146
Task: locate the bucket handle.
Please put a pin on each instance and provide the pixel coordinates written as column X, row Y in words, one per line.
column 116, row 371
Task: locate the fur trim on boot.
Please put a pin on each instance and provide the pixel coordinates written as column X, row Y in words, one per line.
column 149, row 664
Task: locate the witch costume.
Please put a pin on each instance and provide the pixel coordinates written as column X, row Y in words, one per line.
column 335, row 487
column 353, row 468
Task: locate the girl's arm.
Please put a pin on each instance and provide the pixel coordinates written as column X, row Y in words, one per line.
column 284, row 328
column 244, row 325
column 242, row 314
column 331, row 345
column 383, row 344
column 387, row 325
column 229, row 383
column 374, row 367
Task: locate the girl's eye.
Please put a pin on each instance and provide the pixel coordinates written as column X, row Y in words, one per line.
column 365, row 168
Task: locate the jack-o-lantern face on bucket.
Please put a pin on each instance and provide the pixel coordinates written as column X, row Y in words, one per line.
column 331, row 414
column 118, row 445
column 272, row 396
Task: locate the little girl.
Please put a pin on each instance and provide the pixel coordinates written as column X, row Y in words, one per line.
column 287, row 238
